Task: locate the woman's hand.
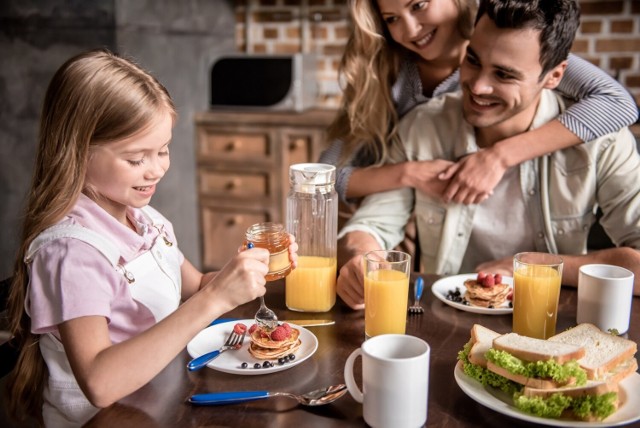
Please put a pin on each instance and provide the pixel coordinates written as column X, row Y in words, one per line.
column 473, row 178
column 424, row 176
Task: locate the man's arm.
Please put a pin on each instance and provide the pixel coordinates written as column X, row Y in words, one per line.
column 625, row 257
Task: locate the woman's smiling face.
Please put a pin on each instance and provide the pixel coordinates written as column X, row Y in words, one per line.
column 426, row 27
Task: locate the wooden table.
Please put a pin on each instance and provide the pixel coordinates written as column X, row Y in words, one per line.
column 161, row 403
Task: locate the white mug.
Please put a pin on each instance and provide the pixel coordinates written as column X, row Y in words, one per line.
column 395, row 378
column 605, row 295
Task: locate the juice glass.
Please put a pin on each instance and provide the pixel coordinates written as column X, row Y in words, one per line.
column 386, row 292
column 536, row 283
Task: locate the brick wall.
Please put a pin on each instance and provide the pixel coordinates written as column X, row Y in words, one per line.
column 609, row 36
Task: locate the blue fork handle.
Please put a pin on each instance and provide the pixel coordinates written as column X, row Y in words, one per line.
column 419, row 285
column 202, row 360
column 218, row 398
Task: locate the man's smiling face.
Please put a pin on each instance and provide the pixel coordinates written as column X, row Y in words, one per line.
column 500, row 78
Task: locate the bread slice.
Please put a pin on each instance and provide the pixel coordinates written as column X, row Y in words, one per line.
column 604, row 351
column 482, row 339
column 592, row 387
column 530, row 349
column 531, row 382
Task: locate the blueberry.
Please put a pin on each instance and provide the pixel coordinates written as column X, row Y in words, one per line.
column 244, row 365
column 292, row 357
column 266, row 364
column 281, row 360
column 257, row 366
column 490, row 306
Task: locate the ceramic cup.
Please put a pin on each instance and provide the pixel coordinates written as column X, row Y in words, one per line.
column 605, row 295
column 395, row 378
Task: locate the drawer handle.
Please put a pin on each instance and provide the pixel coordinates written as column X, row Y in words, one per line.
column 232, row 184
column 233, row 145
column 234, row 221
column 297, row 144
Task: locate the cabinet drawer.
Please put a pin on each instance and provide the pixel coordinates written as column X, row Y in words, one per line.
column 243, row 185
column 223, row 233
column 232, row 146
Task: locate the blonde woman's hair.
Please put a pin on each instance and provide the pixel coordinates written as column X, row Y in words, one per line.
column 367, row 118
column 94, row 98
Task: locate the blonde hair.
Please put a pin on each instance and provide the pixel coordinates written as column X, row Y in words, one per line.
column 94, row 98
column 369, row 67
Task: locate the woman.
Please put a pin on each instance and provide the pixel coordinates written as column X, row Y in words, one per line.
column 401, row 54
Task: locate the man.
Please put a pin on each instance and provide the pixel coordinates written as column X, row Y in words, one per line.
column 515, row 57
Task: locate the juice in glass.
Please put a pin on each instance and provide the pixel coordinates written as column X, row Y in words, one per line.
column 311, row 286
column 535, row 298
column 386, row 293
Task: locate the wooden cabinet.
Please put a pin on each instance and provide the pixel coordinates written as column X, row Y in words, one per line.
column 243, row 163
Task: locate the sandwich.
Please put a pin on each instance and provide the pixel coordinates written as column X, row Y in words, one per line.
column 575, row 374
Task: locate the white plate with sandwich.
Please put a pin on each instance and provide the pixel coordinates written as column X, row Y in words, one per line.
column 444, row 286
column 604, row 358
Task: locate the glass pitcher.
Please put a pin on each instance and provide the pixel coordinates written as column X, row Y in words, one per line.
column 312, row 217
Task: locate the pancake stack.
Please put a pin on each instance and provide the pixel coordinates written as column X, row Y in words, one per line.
column 280, row 342
column 485, row 292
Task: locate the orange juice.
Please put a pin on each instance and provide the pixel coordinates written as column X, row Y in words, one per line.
column 311, row 287
column 535, row 300
column 385, row 302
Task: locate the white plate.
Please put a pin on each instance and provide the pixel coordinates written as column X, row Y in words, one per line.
column 212, row 338
column 627, row 413
column 442, row 287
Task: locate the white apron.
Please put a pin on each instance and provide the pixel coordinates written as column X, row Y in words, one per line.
column 155, row 283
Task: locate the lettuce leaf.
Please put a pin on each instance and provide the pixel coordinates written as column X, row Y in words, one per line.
column 551, row 407
column 600, row 406
column 539, row 369
column 484, row 376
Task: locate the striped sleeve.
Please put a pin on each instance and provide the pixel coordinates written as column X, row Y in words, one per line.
column 603, row 105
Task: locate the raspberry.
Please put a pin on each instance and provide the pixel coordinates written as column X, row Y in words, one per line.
column 510, row 295
column 481, row 276
column 488, row 281
column 498, row 278
column 279, row 334
column 239, row 328
column 253, row 328
column 287, row 327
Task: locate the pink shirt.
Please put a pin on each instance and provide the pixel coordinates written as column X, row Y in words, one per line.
column 70, row 278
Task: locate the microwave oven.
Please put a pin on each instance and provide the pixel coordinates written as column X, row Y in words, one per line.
column 271, row 82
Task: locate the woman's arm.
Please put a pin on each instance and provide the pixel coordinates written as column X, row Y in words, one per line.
column 603, row 106
column 421, row 175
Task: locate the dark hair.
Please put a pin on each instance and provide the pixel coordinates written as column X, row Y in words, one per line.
column 557, row 21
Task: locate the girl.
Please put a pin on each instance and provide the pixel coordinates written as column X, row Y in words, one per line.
column 99, row 277
column 400, row 54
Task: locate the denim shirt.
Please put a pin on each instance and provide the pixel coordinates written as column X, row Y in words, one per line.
column 561, row 191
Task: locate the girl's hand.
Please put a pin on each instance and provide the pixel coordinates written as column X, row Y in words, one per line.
column 293, row 251
column 473, row 178
column 242, row 279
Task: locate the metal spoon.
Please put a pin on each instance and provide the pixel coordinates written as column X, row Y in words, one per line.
column 265, row 317
column 318, row 397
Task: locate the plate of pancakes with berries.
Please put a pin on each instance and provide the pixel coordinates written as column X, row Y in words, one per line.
column 481, row 293
column 262, row 352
